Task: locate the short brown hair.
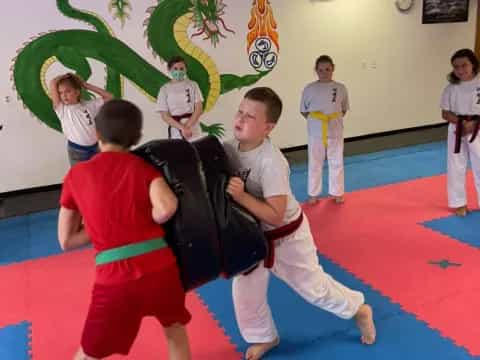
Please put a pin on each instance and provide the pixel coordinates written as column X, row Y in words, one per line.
column 174, row 60
column 323, row 59
column 119, row 122
column 271, row 100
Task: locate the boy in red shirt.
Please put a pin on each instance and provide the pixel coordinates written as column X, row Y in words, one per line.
column 122, row 200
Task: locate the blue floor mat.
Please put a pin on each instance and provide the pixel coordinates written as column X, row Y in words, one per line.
column 15, row 342
column 29, row 237
column 465, row 229
column 309, row 333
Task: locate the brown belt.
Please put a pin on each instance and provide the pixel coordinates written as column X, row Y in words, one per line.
column 459, row 129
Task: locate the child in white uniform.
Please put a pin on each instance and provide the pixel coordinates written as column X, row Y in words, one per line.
column 324, row 103
column 77, row 116
column 461, row 99
column 271, row 200
column 180, row 103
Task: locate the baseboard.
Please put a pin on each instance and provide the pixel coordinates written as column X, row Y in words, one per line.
column 375, row 135
column 39, row 189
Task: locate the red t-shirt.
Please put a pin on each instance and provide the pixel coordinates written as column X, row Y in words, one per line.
column 111, row 191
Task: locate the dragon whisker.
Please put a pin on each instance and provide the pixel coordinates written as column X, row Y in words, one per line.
column 225, row 26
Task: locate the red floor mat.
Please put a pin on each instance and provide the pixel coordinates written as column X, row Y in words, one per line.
column 377, row 236
column 53, row 294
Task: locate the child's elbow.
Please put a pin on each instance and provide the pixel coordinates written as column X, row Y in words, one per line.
column 162, row 215
column 63, row 241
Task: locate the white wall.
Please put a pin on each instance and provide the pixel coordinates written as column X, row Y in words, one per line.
column 393, row 66
column 411, row 59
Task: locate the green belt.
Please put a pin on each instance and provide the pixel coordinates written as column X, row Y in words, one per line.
column 128, row 251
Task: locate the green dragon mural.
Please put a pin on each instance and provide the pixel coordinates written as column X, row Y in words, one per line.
column 166, row 32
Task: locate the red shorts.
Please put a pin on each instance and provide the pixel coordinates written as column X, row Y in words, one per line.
column 116, row 311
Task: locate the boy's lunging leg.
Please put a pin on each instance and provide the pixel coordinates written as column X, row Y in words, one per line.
column 297, row 264
column 177, row 340
column 253, row 313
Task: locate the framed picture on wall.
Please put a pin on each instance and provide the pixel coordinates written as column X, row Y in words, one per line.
column 444, row 11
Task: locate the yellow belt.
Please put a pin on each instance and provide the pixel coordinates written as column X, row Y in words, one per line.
column 324, row 118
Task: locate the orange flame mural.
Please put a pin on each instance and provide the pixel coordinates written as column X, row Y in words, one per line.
column 262, row 23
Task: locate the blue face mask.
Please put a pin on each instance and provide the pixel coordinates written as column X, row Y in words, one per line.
column 178, row 75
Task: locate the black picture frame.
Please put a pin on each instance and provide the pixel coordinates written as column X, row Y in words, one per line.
column 444, row 11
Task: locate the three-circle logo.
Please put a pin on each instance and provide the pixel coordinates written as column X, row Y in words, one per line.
column 261, row 56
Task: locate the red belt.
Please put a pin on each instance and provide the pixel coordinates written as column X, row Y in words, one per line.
column 278, row 233
column 272, row 236
column 459, row 129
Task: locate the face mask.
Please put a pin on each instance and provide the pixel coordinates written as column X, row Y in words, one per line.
column 178, row 75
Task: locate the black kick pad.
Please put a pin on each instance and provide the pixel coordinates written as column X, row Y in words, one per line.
column 192, row 231
column 243, row 244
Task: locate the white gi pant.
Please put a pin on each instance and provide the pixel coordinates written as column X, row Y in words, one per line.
column 296, row 263
column 174, row 133
column 457, row 167
column 334, row 155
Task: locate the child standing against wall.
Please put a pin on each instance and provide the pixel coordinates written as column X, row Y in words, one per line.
column 324, row 103
column 180, row 103
column 77, row 116
column 460, row 106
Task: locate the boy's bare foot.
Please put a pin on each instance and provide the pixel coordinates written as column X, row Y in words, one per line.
column 364, row 319
column 461, row 211
column 339, row 199
column 312, row 200
column 256, row 351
